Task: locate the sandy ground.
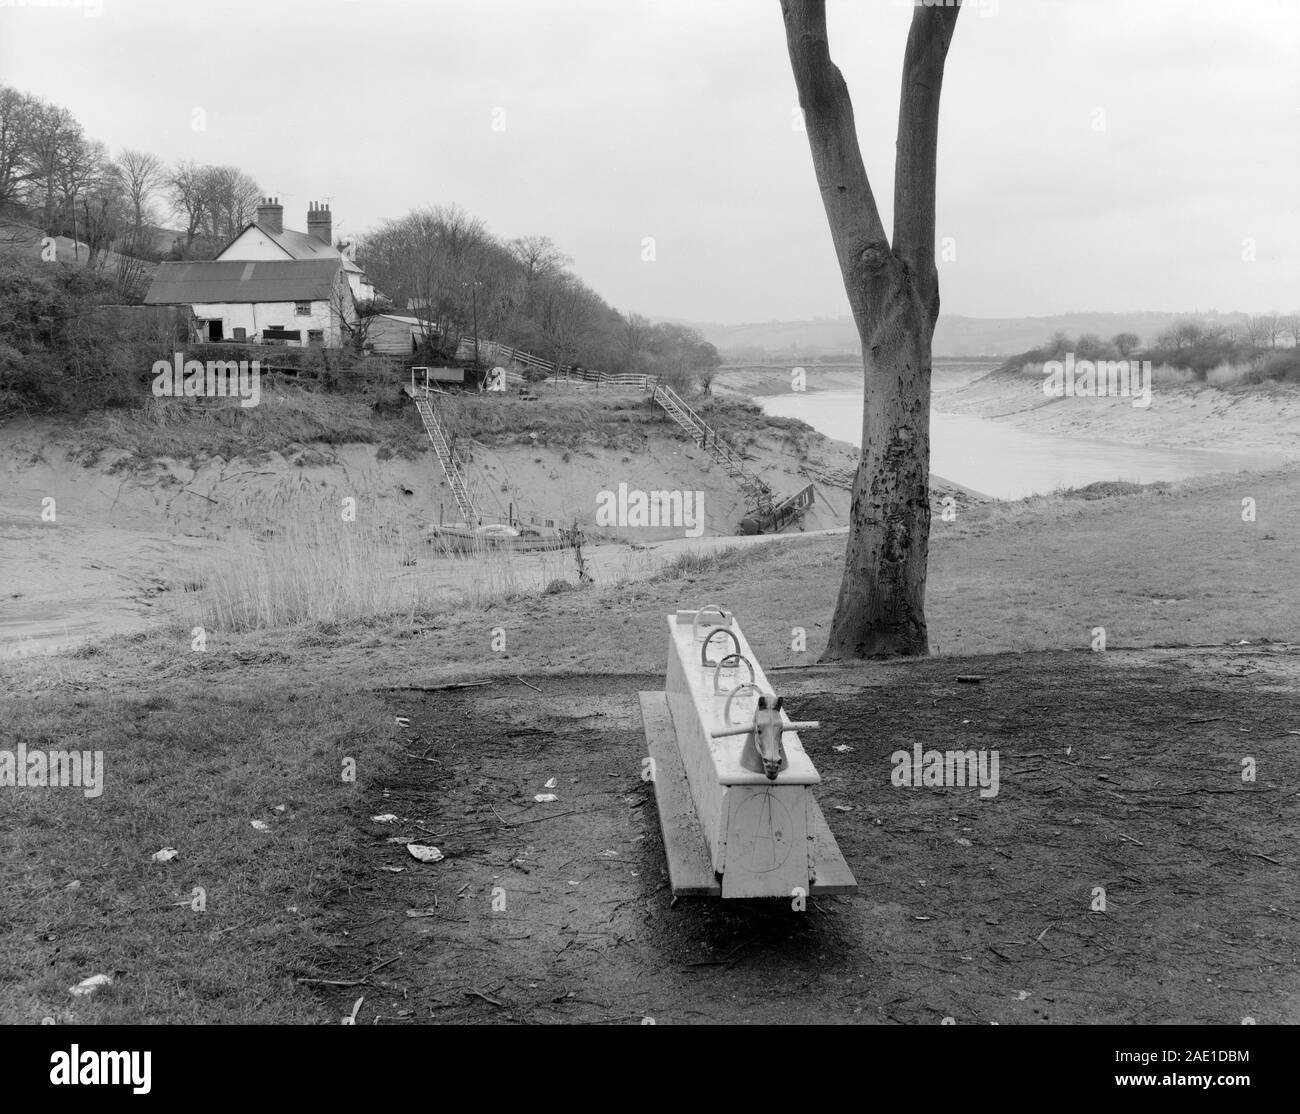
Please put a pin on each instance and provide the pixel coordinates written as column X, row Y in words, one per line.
column 1264, row 419
column 125, row 540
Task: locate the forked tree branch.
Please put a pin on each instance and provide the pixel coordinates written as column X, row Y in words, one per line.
column 915, row 164
column 861, row 243
column 856, row 228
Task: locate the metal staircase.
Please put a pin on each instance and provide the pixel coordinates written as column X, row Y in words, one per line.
column 758, row 495
column 450, row 465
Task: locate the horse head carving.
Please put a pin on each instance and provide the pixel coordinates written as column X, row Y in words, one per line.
column 764, row 749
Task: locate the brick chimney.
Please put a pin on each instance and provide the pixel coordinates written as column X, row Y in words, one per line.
column 319, row 222
column 270, row 214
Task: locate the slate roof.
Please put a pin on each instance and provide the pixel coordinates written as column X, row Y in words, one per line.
column 300, row 245
column 279, row 280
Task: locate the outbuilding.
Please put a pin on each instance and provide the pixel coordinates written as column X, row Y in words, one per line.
column 299, row 303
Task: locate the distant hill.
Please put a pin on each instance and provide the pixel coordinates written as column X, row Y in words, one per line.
column 953, row 336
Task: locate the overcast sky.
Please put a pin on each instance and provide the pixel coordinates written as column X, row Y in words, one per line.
column 1094, row 154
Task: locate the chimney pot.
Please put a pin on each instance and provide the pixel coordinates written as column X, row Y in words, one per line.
column 320, row 223
column 270, row 215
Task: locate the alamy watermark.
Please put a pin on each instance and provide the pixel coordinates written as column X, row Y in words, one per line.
column 112, row 1069
column 54, row 769
column 1098, row 379
column 632, row 507
column 944, row 769
column 180, row 377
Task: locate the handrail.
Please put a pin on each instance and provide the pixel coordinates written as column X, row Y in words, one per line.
column 507, row 353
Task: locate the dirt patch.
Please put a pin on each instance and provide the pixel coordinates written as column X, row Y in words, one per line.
column 1116, row 771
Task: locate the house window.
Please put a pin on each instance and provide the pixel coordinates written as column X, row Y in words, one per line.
column 315, row 337
column 302, row 309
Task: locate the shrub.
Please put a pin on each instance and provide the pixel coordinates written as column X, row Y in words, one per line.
column 60, row 349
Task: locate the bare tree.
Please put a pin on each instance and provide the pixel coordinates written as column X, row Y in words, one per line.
column 436, row 261
column 141, row 175
column 16, row 115
column 538, row 257
column 1125, row 343
column 1192, row 332
column 1263, row 329
column 86, row 174
column 188, row 199
column 130, row 277
column 230, row 199
column 1291, row 327
column 567, row 310
column 893, row 292
column 101, row 223
column 1274, row 327
column 636, row 329
column 54, row 141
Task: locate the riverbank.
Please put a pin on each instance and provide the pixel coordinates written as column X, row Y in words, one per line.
column 1262, row 418
column 110, row 524
column 749, row 381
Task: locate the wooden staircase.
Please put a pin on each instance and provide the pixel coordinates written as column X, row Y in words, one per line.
column 758, row 495
column 450, row 465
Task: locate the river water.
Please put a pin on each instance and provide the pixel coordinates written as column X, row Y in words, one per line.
column 997, row 459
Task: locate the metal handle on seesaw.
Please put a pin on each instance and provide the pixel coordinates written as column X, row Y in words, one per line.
column 717, row 671
column 724, row 616
column 726, row 709
column 801, row 725
column 704, row 646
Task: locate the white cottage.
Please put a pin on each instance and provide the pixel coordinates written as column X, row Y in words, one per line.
column 267, row 239
column 295, row 302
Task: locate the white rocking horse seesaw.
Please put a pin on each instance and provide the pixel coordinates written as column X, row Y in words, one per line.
column 735, row 803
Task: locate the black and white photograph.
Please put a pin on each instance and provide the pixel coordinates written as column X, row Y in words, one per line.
column 560, row 514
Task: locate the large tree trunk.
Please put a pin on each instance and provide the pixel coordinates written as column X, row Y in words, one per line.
column 881, row 605
column 894, row 295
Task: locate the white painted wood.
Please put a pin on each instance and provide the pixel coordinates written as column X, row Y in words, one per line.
column 756, row 829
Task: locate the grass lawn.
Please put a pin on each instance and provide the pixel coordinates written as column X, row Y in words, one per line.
column 188, row 765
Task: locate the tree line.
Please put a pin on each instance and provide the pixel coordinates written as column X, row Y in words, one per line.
column 440, row 263
column 54, row 176
column 447, row 268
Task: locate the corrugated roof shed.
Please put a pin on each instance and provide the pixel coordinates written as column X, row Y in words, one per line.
column 279, row 280
column 432, row 325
